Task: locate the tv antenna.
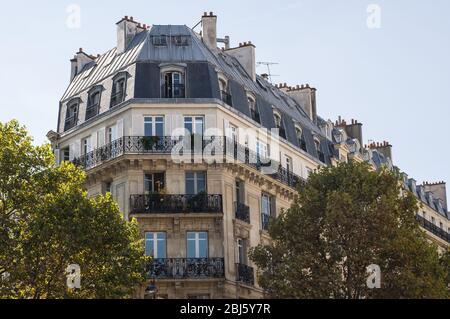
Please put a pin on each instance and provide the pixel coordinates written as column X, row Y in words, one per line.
column 268, row 64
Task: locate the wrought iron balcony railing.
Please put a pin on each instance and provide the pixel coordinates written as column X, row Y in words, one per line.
column 245, row 274
column 197, row 144
column 226, row 98
column 191, row 268
column 92, row 111
column 117, row 98
column 242, row 212
column 175, row 204
column 173, row 91
column 70, row 122
column 432, row 228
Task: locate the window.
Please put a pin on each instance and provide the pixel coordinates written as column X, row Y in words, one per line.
column 266, row 210
column 241, row 251
column 180, row 40
column 118, row 90
column 66, row 155
column 71, row 116
column 279, row 125
column 224, row 92
column 253, row 110
column 300, row 138
column 433, row 220
column 155, row 245
column 195, row 183
column 194, row 124
column 154, row 126
column 288, row 160
column 86, row 145
column 262, row 150
column 320, row 153
column 93, row 106
column 240, row 197
column 108, row 187
column 197, row 245
column 441, row 225
column 173, row 86
column 154, row 183
column 159, row 40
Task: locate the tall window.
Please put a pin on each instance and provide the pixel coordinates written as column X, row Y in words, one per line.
column 66, row 155
column 197, row 245
column 240, row 192
column 266, row 210
column 288, row 160
column 93, row 106
column 262, row 150
column 279, row 125
column 118, row 91
column 253, row 109
column 86, row 145
column 173, row 86
column 194, row 124
column 155, row 244
column 241, row 251
column 195, row 183
column 154, row 183
column 71, row 116
column 300, row 138
column 224, row 92
column 154, row 126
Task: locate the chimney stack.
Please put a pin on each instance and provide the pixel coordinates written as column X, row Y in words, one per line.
column 384, row 148
column 209, row 31
column 78, row 62
column 245, row 54
column 127, row 28
column 439, row 191
column 306, row 97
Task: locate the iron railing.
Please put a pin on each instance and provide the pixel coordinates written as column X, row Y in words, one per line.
column 70, row 122
column 92, row 110
column 189, row 145
column 193, row 268
column 117, row 98
column 245, row 274
column 242, row 212
column 226, row 98
column 434, row 229
column 255, row 116
column 176, row 204
column 173, row 91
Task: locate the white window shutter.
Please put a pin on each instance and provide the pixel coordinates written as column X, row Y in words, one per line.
column 119, row 128
column 57, row 156
column 226, row 128
column 94, row 141
column 89, row 143
column 77, row 148
column 101, row 137
column 72, row 151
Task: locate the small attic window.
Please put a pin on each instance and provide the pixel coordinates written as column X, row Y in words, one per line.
column 180, row 40
column 300, row 137
column 159, row 40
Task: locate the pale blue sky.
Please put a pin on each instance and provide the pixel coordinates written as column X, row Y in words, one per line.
column 395, row 80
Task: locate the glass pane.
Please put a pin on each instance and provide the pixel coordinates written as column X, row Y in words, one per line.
column 199, row 125
column 161, row 246
column 159, row 129
column 201, row 183
column 149, row 244
column 148, row 126
column 191, row 235
column 188, row 124
column 148, row 183
column 203, row 235
column 191, row 248
column 203, row 248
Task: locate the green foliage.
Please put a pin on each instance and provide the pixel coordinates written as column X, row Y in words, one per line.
column 47, row 222
column 347, row 218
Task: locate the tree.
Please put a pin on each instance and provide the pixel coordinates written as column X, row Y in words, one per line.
column 345, row 219
column 47, row 222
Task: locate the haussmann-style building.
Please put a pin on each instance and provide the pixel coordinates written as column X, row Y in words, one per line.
column 202, row 151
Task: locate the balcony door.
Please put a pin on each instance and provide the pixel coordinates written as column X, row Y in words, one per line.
column 195, row 183
column 173, row 85
column 197, row 245
column 154, row 183
column 156, row 245
column 154, row 126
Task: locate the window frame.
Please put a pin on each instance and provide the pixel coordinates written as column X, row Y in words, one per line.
column 98, row 89
column 195, row 180
column 154, row 120
column 197, row 254
column 155, row 240
column 122, row 76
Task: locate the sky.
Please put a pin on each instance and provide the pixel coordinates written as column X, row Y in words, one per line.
column 388, row 68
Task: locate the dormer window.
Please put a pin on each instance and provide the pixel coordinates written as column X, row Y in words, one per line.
column 300, row 138
column 173, row 86
column 159, row 40
column 279, row 124
column 180, row 40
column 224, row 92
column 320, row 154
column 118, row 89
column 253, row 109
column 71, row 114
column 93, row 106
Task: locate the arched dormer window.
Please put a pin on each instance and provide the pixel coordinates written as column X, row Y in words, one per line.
column 73, row 106
column 173, row 82
column 119, row 88
column 93, row 105
column 300, row 137
column 279, row 123
column 254, row 113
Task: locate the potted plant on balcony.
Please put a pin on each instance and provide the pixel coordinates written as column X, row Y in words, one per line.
column 148, row 142
column 198, row 202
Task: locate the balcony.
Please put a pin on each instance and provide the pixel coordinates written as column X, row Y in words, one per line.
column 226, row 98
column 432, row 228
column 92, row 111
column 175, row 204
column 174, row 91
column 70, row 122
column 223, row 146
column 187, row 268
column 242, row 212
column 245, row 274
